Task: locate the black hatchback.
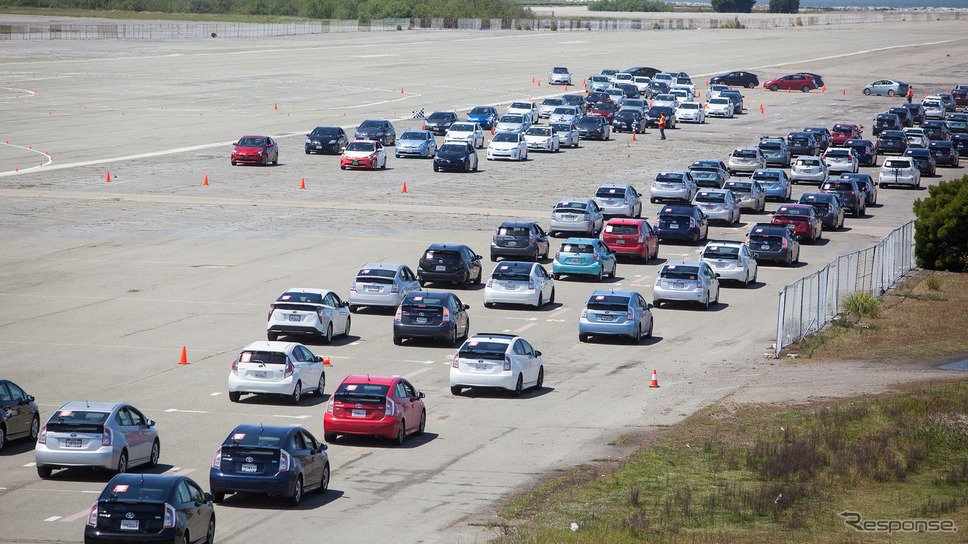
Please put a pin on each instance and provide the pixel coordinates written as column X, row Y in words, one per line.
column 682, row 222
column 803, row 143
column 886, row 121
column 864, row 150
column 456, row 155
column 936, row 130
column 450, row 263
column 379, row 130
column 19, row 417
column 151, row 508
column 430, row 314
column 944, row 152
column 828, row 208
column 326, row 140
column 593, row 126
column 739, row 79
column 892, row 142
column 849, row 193
column 519, row 239
column 440, row 121
column 960, row 143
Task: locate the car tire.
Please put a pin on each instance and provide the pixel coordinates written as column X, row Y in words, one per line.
column 330, row 437
column 44, row 472
column 218, row 496
column 297, row 492
column 401, row 433
column 614, row 270
column 235, row 396
column 556, row 275
column 582, row 337
column 751, row 85
column 423, row 424
column 234, row 163
column 518, row 386
column 349, row 323
column 867, row 92
column 539, row 383
column 3, row 436
column 318, row 392
column 452, row 339
column 436, row 168
column 354, row 308
column 155, row 454
column 774, row 87
column 716, row 300
column 341, row 167
column 540, row 302
column 272, row 336
column 656, row 303
column 456, row 390
column 296, row 394
column 488, row 304
column 122, row 462
column 705, row 305
column 324, row 480
column 34, row 431
column 805, row 88
column 601, row 274
column 210, row 534
column 328, row 336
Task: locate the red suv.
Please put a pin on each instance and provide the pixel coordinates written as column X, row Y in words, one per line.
column 376, row 406
column 806, row 224
column 627, row 236
column 843, row 132
column 796, row 82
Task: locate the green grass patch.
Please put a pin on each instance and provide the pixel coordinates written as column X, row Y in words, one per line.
column 752, row 474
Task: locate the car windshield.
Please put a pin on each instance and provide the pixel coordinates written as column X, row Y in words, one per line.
column 300, row 297
column 600, row 78
column 572, row 99
column 505, row 137
column 452, row 148
column 719, row 101
column 721, row 252
column 679, row 272
column 462, row 127
column 361, row 146
column 559, row 70
column 577, row 248
column 621, row 228
column 610, row 192
column 325, row 132
column 552, row 102
column 252, row 142
column 439, row 116
column 414, row 135
column 624, row 116
column 589, row 121
column 615, row 303
column 480, row 110
column 665, row 98
column 539, row 131
column 521, row 106
column 371, row 124
column 689, row 106
column 482, row 349
column 710, row 197
column 605, row 106
column 565, row 111
column 560, row 127
column 512, row 119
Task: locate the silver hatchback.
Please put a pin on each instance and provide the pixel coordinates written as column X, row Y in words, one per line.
column 673, row 185
column 718, row 205
column 686, row 281
column 381, row 284
column 747, row 160
column 619, row 200
column 577, row 215
column 115, row 436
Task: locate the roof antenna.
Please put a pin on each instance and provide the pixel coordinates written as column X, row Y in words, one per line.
column 142, row 479
column 261, row 429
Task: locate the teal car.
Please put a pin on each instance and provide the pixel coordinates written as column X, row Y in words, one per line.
column 584, row 256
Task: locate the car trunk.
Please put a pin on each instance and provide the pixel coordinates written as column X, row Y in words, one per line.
column 673, row 222
column 766, row 243
column 75, row 436
column 359, row 406
column 441, row 261
column 516, row 283
column 607, row 311
column 412, row 314
column 130, row 517
column 262, row 365
column 512, row 237
column 250, row 460
column 373, row 286
column 481, row 362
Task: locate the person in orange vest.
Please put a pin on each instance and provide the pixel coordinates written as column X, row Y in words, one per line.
column 662, row 125
column 910, row 94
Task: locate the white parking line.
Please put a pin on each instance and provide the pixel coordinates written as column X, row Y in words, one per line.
column 421, row 362
column 53, row 518
column 416, row 372
column 293, row 417
column 79, row 515
column 524, row 328
column 559, row 311
column 170, row 410
column 30, row 465
column 215, row 394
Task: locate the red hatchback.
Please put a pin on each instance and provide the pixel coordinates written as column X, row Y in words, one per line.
column 375, row 406
column 803, row 218
column 795, row 82
column 604, row 109
column 627, row 236
column 255, row 150
column 843, row 132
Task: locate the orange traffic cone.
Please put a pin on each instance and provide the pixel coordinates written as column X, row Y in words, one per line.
column 532, row 80
column 761, row 108
column 302, row 184
column 655, row 381
column 326, row 362
column 109, row 178
column 404, row 187
column 206, row 180
column 843, row 92
column 539, row 83
column 184, row 356
column 492, row 130
column 824, row 89
column 275, row 106
column 566, row 87
column 633, row 135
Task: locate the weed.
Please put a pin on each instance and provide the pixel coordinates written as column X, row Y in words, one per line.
column 860, row 305
column 933, row 282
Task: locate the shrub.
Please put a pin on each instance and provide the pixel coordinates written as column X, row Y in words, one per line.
column 784, row 6
column 934, row 282
column 629, row 5
column 861, row 304
column 941, row 227
column 733, row 6
column 732, row 24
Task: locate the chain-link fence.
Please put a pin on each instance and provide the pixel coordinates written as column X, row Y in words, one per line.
column 188, row 30
column 811, row 302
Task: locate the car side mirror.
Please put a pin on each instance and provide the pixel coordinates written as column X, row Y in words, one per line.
column 649, row 306
column 235, row 143
column 420, row 394
column 323, row 447
column 717, row 275
column 537, row 353
column 150, row 423
column 28, row 399
column 467, row 306
column 478, row 257
column 319, row 359
column 345, row 304
column 209, row 497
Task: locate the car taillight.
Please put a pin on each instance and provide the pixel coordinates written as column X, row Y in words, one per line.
column 106, row 437
column 169, row 516
column 552, row 216
column 235, row 366
column 532, row 239
column 530, row 284
column 92, row 516
column 396, row 316
column 456, row 358
column 595, row 257
column 507, row 363
column 395, row 288
column 641, row 237
column 388, row 408
column 330, row 405
column 272, row 308
column 446, row 317
column 556, row 255
column 490, row 282
column 630, row 315
column 217, row 460
column 285, row 461
column 319, row 314
column 692, row 223
column 353, row 287
column 747, row 241
column 783, row 240
column 42, row 437
column 289, row 369
column 584, row 313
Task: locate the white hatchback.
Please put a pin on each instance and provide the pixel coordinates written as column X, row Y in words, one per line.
column 502, row 361
column 719, row 107
column 808, row 169
column 514, row 282
column 312, row 312
column 508, row 145
column 899, row 171
column 276, row 368
column 471, row 133
column 692, row 112
column 527, row 109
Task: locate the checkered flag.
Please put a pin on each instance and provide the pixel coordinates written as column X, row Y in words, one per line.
column 419, row 114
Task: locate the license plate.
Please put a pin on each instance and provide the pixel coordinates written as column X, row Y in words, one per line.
column 674, row 226
column 480, row 366
column 440, row 268
column 764, row 246
column 509, row 285
column 574, row 261
column 318, row 146
column 359, row 413
column 605, row 318
column 73, row 443
column 130, row 524
column 260, row 375
column 356, row 163
column 421, row 320
column 295, row 318
column 373, row 288
column 512, row 244
column 678, row 285
column 570, row 217
column 249, row 468
column 620, row 241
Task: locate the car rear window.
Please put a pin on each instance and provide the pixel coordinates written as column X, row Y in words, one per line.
column 265, row 357
column 703, row 196
column 621, row 228
column 610, row 192
column 679, row 272
column 577, row 248
column 367, row 273
column 483, row 349
column 615, row 303
column 721, row 252
column 571, row 205
column 423, row 299
column 514, row 231
column 808, row 162
column 669, row 178
column 772, row 146
column 512, row 272
column 298, row 297
column 745, row 153
column 441, row 255
column 838, row 186
column 80, row 417
column 766, row 176
column 792, row 210
column 349, row 389
column 740, row 186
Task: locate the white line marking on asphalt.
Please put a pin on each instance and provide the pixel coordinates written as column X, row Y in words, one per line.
column 354, row 343
column 524, row 328
column 292, row 417
column 506, row 330
column 416, row 372
column 215, row 394
column 559, row 311
column 170, row 410
column 53, row 518
column 79, row 515
column 30, row 465
column 523, row 318
column 173, row 469
column 421, row 362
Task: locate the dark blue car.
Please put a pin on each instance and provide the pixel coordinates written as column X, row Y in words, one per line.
column 272, row 459
column 682, row 222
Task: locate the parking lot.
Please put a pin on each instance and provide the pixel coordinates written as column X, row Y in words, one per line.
column 103, row 283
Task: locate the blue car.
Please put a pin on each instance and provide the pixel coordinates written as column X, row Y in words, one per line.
column 486, row 116
column 584, row 256
column 615, row 313
column 416, row 143
column 274, row 459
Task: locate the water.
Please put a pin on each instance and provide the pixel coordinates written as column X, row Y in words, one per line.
column 871, row 3
column 959, row 365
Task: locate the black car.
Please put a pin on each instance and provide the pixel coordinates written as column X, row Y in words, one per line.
column 656, row 112
column 643, row 71
column 381, row 131
column 886, row 121
column 430, row 314
column 575, row 100
column 326, row 140
column 658, row 87
column 278, row 460
column 892, row 142
column 769, row 242
column 151, row 508
column 449, row 262
column 738, row 79
column 682, row 222
column 944, row 152
column 631, row 91
column 917, row 112
column 828, row 208
column 936, row 130
column 19, row 416
column 816, row 78
column 864, row 150
column 519, row 239
column 456, row 156
column 849, row 193
column 903, row 114
column 597, row 97
column 440, row 121
column 960, row 143
column 823, row 136
column 593, row 126
column 737, row 99
column 924, row 160
column 957, row 123
column 866, row 184
column 803, row 143
column 628, row 121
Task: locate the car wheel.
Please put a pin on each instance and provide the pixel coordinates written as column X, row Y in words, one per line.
column 614, row 270
column 272, row 336
column 341, row 167
column 34, row 431
column 401, row 433
column 324, row 481
column 210, row 535
column 330, row 437
column 456, row 389
column 751, row 85
column 307, row 152
column 452, row 339
column 423, row 424
column 868, row 92
column 218, row 496
column 234, row 396
column 296, row 395
column 265, row 160
column 436, row 168
column 186, row 539
column 328, row 337
column 155, row 454
column 320, row 386
column 44, row 472
column 540, row 302
column 349, row 322
column 234, row 163
column 354, row 308
column 890, row 93
column 716, row 300
column 774, row 87
column 276, row 160
column 123, row 462
column 3, row 436
column 651, row 324
column 551, row 299
column 297, row 491
column 806, row 88
column 557, row 275
column 601, row 273
column 540, row 382
column 518, row 386
column 657, row 303
column 582, row 337
column 475, row 167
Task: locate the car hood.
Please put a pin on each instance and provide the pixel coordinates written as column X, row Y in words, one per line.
column 362, row 131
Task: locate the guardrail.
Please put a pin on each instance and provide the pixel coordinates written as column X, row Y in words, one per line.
column 809, row 303
column 188, row 30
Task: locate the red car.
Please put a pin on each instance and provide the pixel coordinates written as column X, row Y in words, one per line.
column 960, row 94
column 375, row 406
column 804, row 219
column 843, row 132
column 627, row 236
column 364, row 154
column 255, row 150
column 796, row 82
column 604, row 109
